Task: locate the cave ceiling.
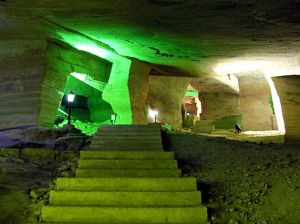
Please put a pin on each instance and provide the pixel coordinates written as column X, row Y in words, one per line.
column 193, row 35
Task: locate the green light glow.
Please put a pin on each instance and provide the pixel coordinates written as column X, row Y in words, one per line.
column 61, row 111
column 89, row 81
column 79, row 76
column 117, row 92
column 191, row 93
column 95, row 50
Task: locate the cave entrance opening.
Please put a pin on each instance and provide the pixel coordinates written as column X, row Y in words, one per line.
column 191, row 107
column 89, row 109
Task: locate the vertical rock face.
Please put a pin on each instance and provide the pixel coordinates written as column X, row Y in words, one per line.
column 257, row 114
column 165, row 96
column 221, row 107
column 288, row 89
column 219, row 101
column 33, row 76
column 218, row 105
column 138, row 89
column 61, row 61
column 22, row 64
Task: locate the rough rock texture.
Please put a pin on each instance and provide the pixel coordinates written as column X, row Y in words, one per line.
column 227, row 84
column 26, row 178
column 218, row 105
column 243, row 183
column 219, row 100
column 195, row 36
column 138, row 89
column 61, row 61
column 22, row 63
column 191, row 34
column 63, row 139
column 257, row 114
column 33, row 77
column 165, row 95
column 288, row 89
column 192, row 105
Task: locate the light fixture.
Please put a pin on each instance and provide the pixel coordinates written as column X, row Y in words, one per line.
column 113, row 118
column 153, row 114
column 71, row 98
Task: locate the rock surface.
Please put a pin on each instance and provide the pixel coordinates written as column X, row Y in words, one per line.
column 257, row 114
column 219, row 105
column 165, row 96
column 22, row 63
column 242, row 182
column 63, row 139
column 193, row 35
column 26, row 178
column 138, row 89
column 288, row 88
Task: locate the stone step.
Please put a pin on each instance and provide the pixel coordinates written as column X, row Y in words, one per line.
column 130, row 127
column 129, row 180
column 126, row 155
column 103, row 173
column 129, row 141
column 127, row 164
column 126, row 137
column 128, row 134
column 126, row 184
column 125, row 148
column 124, row 142
column 97, row 198
column 121, row 129
column 109, row 223
column 129, row 215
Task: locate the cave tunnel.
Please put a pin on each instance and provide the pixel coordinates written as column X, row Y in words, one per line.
column 209, row 106
column 89, row 109
column 177, row 77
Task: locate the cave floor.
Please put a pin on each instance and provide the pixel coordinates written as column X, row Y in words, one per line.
column 25, row 182
column 271, row 136
column 241, row 182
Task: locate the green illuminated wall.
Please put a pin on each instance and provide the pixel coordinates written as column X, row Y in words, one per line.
column 61, row 61
column 191, row 93
column 89, row 110
column 117, row 92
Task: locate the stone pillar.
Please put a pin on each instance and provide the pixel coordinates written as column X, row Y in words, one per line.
column 288, row 89
column 257, row 114
column 138, row 91
column 165, row 95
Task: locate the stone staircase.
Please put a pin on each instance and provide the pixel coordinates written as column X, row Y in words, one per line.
column 126, row 177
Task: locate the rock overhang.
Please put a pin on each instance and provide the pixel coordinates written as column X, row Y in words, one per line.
column 194, row 36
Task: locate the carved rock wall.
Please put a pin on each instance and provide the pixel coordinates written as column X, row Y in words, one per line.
column 288, row 89
column 61, row 61
column 218, row 105
column 22, row 64
column 33, row 76
column 257, row 114
column 165, row 96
